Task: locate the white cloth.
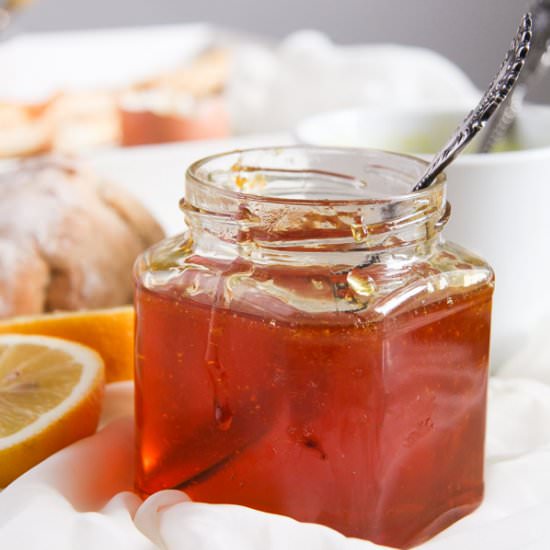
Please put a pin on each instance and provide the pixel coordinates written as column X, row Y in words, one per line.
column 80, row 498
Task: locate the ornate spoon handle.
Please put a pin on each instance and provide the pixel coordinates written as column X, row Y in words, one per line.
column 536, row 64
column 497, row 92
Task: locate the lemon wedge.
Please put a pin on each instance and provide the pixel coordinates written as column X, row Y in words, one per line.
column 50, row 396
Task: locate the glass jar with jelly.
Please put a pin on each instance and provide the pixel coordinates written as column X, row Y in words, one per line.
column 312, row 346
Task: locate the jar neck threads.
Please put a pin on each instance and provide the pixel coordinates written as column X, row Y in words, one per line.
column 330, row 201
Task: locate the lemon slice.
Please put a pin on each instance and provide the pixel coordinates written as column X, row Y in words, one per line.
column 50, row 396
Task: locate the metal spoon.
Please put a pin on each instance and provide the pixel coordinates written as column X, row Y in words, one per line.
column 535, row 66
column 497, row 92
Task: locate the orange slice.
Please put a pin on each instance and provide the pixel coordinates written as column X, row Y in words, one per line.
column 109, row 331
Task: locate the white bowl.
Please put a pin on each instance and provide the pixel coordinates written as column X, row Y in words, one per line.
column 500, row 201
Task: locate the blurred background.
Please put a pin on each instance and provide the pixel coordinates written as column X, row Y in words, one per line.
column 472, row 33
column 135, row 102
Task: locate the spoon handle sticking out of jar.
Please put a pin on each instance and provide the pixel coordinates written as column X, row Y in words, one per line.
column 538, row 62
column 497, row 92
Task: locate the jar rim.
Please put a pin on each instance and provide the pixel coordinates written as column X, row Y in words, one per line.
column 193, row 174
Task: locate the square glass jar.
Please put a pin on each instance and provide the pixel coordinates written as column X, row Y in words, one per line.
column 312, row 346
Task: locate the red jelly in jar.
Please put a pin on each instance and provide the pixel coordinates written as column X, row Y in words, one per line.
column 313, row 347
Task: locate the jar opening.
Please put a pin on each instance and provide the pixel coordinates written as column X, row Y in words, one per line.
column 311, row 175
column 313, row 198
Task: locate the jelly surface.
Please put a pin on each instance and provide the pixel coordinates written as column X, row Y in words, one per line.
column 375, row 429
